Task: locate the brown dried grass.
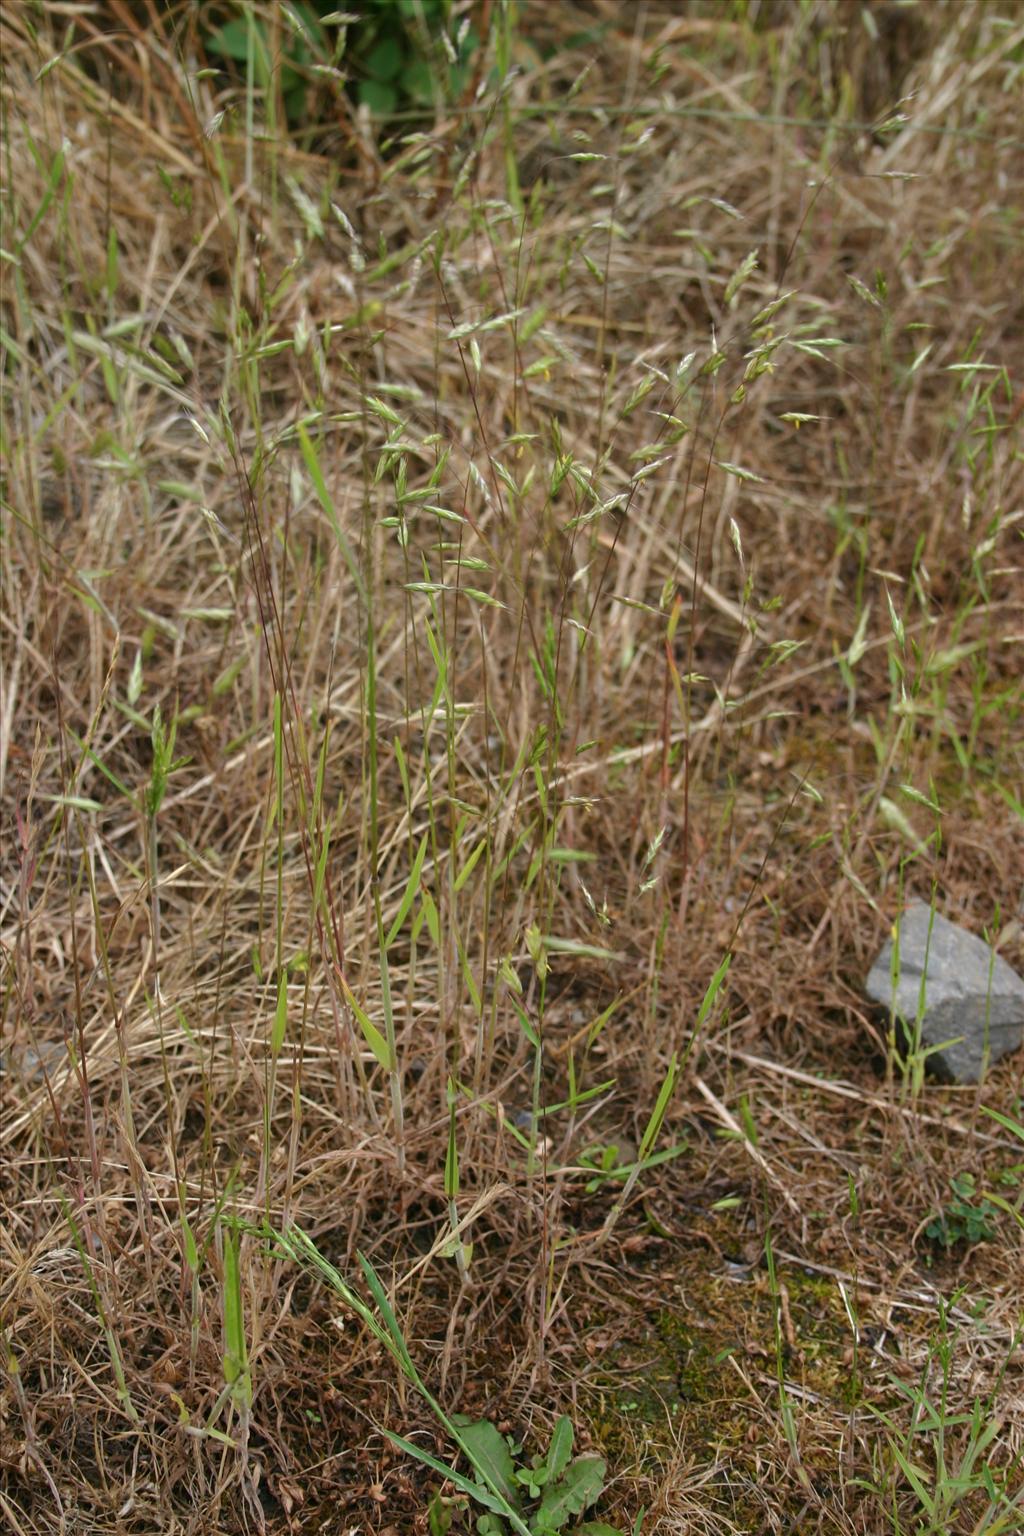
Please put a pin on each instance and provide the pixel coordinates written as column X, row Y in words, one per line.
column 139, row 1083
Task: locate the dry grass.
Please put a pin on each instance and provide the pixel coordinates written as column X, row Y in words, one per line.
column 594, row 730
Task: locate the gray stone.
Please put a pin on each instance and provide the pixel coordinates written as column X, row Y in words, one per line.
column 971, row 996
column 33, row 1065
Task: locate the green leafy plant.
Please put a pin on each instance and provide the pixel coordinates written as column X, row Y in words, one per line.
column 550, row 1491
column 964, row 1219
column 397, row 55
column 304, row 46
column 611, row 1162
column 541, row 1499
column 607, row 1162
column 403, row 56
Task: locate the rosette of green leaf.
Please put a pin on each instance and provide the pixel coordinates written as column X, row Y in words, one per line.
column 493, row 1490
column 965, row 1219
column 404, row 59
column 559, row 1485
column 304, row 46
